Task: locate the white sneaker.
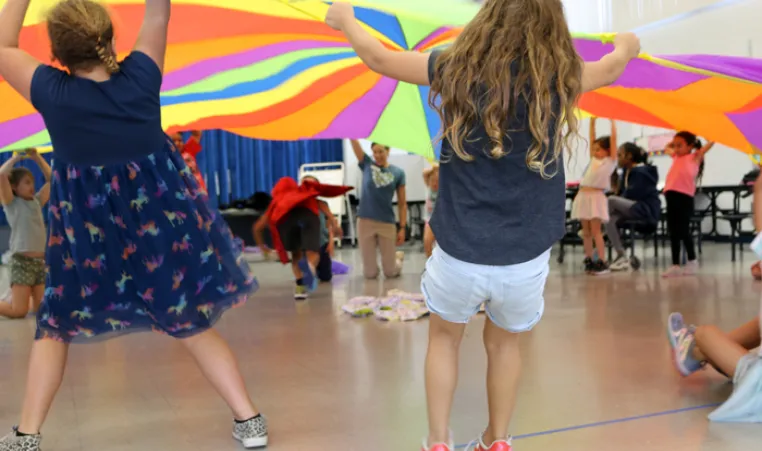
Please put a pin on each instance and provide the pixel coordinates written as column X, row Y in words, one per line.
column 400, row 259
column 621, row 263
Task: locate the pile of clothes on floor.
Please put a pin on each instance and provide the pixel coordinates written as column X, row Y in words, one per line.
column 395, row 306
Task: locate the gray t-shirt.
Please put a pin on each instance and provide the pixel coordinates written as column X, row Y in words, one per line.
column 378, row 188
column 497, row 212
column 27, row 226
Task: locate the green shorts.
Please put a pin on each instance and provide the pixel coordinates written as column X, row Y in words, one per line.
column 27, row 271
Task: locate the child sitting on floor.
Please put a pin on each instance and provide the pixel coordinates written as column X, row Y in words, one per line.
column 694, row 347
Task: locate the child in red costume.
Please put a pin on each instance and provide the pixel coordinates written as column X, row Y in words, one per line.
column 293, row 217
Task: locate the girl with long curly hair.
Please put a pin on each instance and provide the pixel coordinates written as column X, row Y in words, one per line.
column 506, row 92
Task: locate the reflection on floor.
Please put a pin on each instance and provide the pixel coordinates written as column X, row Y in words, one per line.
column 328, row 381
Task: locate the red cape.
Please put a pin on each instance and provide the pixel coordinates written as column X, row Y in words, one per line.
column 287, row 195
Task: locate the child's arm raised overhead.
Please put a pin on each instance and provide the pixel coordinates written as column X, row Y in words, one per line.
column 609, row 68
column 16, row 66
column 593, row 135
column 702, row 152
column 152, row 39
column 614, row 149
column 44, row 193
column 410, row 67
column 6, row 192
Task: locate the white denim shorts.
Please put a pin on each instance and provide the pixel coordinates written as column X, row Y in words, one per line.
column 513, row 295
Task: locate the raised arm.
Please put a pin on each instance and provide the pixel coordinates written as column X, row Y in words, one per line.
column 410, row 67
column 152, row 39
column 609, row 68
column 357, row 149
column 702, row 152
column 16, row 66
column 614, row 148
column 44, row 193
column 6, row 192
column 593, row 135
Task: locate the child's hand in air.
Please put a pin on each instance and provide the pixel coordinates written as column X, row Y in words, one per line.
column 339, row 14
column 629, row 43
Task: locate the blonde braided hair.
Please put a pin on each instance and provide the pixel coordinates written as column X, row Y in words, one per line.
column 106, row 55
column 81, row 35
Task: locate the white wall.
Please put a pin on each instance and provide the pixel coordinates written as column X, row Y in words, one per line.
column 631, row 14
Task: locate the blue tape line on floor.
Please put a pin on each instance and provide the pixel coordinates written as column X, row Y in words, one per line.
column 608, row 422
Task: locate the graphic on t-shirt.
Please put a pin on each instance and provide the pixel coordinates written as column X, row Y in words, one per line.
column 381, row 178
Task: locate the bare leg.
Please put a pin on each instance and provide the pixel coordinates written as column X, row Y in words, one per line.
column 587, row 238
column 19, row 305
column 428, row 240
column 441, row 375
column 295, row 257
column 38, row 292
column 747, row 335
column 503, row 372
column 46, row 369
column 313, row 258
column 216, row 360
column 600, row 245
column 367, row 240
column 714, row 345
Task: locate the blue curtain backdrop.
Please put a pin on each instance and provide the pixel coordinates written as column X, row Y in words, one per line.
column 241, row 166
column 244, row 166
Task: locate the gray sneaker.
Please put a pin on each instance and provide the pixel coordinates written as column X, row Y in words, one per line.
column 12, row 442
column 253, row 433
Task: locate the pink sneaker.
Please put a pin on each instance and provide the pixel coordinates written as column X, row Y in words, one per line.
column 438, row 447
column 691, row 268
column 500, row 445
column 673, row 271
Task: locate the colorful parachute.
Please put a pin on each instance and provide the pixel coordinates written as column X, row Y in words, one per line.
column 271, row 69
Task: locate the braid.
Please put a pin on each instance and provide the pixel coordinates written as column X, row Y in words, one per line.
column 107, row 58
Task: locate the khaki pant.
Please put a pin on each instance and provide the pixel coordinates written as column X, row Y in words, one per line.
column 382, row 236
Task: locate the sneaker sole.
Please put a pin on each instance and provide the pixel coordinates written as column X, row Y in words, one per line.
column 249, row 443
column 670, row 335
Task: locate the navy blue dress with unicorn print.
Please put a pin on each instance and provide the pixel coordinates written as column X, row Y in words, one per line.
column 133, row 244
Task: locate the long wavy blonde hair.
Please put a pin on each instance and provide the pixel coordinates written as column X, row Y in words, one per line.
column 474, row 83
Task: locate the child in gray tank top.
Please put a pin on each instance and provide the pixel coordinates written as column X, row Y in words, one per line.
column 507, row 111
column 23, row 209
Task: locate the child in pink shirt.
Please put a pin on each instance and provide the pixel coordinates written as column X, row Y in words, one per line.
column 679, row 190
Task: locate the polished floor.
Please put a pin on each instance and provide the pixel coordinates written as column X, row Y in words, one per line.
column 597, row 373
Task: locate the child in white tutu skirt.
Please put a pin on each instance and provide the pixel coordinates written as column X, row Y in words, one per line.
column 590, row 206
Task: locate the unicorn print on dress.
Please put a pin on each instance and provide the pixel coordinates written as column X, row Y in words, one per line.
column 141, row 200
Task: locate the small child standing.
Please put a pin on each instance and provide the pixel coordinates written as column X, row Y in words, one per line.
column 590, row 206
column 23, row 209
column 431, row 179
column 679, row 191
column 508, row 114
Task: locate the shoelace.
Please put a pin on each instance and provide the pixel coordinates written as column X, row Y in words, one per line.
column 472, row 445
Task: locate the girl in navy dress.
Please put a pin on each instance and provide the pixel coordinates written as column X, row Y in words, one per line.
column 133, row 245
column 508, row 88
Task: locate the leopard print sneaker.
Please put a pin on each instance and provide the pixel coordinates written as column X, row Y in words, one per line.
column 253, row 433
column 12, row 442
